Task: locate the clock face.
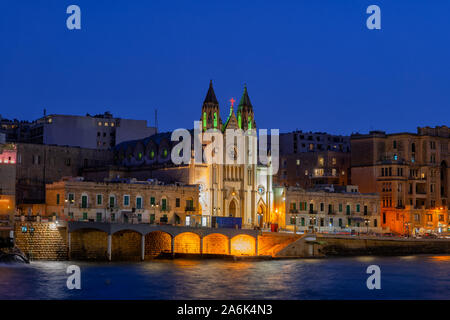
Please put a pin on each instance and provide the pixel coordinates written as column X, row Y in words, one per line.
column 261, row 190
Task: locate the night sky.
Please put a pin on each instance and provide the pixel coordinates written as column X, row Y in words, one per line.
column 309, row 65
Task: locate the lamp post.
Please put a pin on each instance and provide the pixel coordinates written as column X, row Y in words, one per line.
column 69, row 202
column 367, row 221
column 154, row 206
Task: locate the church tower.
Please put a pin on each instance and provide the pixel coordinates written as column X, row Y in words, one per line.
column 210, row 111
column 245, row 115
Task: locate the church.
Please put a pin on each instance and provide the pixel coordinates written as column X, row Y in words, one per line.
column 241, row 189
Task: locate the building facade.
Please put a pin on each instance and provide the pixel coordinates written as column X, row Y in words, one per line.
column 328, row 209
column 308, row 159
column 410, row 172
column 102, row 131
column 26, row 168
column 123, row 201
column 8, row 154
column 232, row 189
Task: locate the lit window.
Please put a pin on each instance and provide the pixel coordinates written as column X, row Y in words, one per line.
column 112, row 124
column 99, row 123
column 106, row 124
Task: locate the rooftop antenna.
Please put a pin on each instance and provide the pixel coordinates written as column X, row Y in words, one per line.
column 156, row 120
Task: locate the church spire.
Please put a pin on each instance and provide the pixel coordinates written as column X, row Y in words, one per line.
column 245, row 100
column 245, row 113
column 210, row 111
column 210, row 95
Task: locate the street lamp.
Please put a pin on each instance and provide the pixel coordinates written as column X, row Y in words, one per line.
column 69, row 202
column 154, row 206
column 367, row 221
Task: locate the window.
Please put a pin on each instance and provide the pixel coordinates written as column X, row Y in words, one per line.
column 164, row 204
column 321, row 161
column 71, row 197
column 365, row 210
column 311, row 208
column 139, row 217
column 99, row 217
column 375, row 223
column 340, row 207
column 340, row 222
column 112, row 201
column 321, row 206
column 85, row 216
column 190, row 204
column 113, row 217
column 57, row 198
column 177, row 202
column 358, row 207
column 152, row 200
column 99, row 199
column 138, row 203
column 84, row 201
column 126, row 200
column 348, row 209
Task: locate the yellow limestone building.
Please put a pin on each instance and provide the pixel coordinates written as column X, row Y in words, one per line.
column 239, row 188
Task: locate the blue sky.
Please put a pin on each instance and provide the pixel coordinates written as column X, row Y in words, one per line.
column 310, row 65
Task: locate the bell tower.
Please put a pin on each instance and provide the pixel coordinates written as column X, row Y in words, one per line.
column 245, row 115
column 210, row 111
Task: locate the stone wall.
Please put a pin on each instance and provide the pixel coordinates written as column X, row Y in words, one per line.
column 157, row 242
column 126, row 245
column 88, row 244
column 187, row 243
column 46, row 242
column 215, row 244
column 268, row 242
column 351, row 246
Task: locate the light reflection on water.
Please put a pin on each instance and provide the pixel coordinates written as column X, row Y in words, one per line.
column 408, row 277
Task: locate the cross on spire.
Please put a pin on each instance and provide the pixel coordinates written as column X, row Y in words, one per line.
column 232, row 102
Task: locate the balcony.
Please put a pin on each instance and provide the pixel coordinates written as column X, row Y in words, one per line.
column 312, row 211
column 189, row 209
column 293, row 211
column 165, row 209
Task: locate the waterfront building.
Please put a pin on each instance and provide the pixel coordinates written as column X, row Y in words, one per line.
column 26, row 168
column 328, row 209
column 237, row 190
column 101, row 131
column 123, row 201
column 7, row 181
column 308, row 159
column 410, row 172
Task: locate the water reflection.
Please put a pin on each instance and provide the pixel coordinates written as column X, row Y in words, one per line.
column 338, row 278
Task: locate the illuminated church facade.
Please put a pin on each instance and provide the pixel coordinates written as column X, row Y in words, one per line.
column 240, row 189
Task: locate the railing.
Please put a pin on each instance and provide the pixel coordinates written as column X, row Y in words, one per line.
column 293, row 211
column 191, row 209
column 165, row 209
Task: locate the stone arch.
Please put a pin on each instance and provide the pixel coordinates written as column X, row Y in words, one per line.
column 88, row 244
column 164, row 150
column 151, row 152
column 129, row 155
column 215, row 243
column 233, row 208
column 139, row 152
column 243, row 245
column 187, row 242
column 126, row 245
column 261, row 214
column 157, row 243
